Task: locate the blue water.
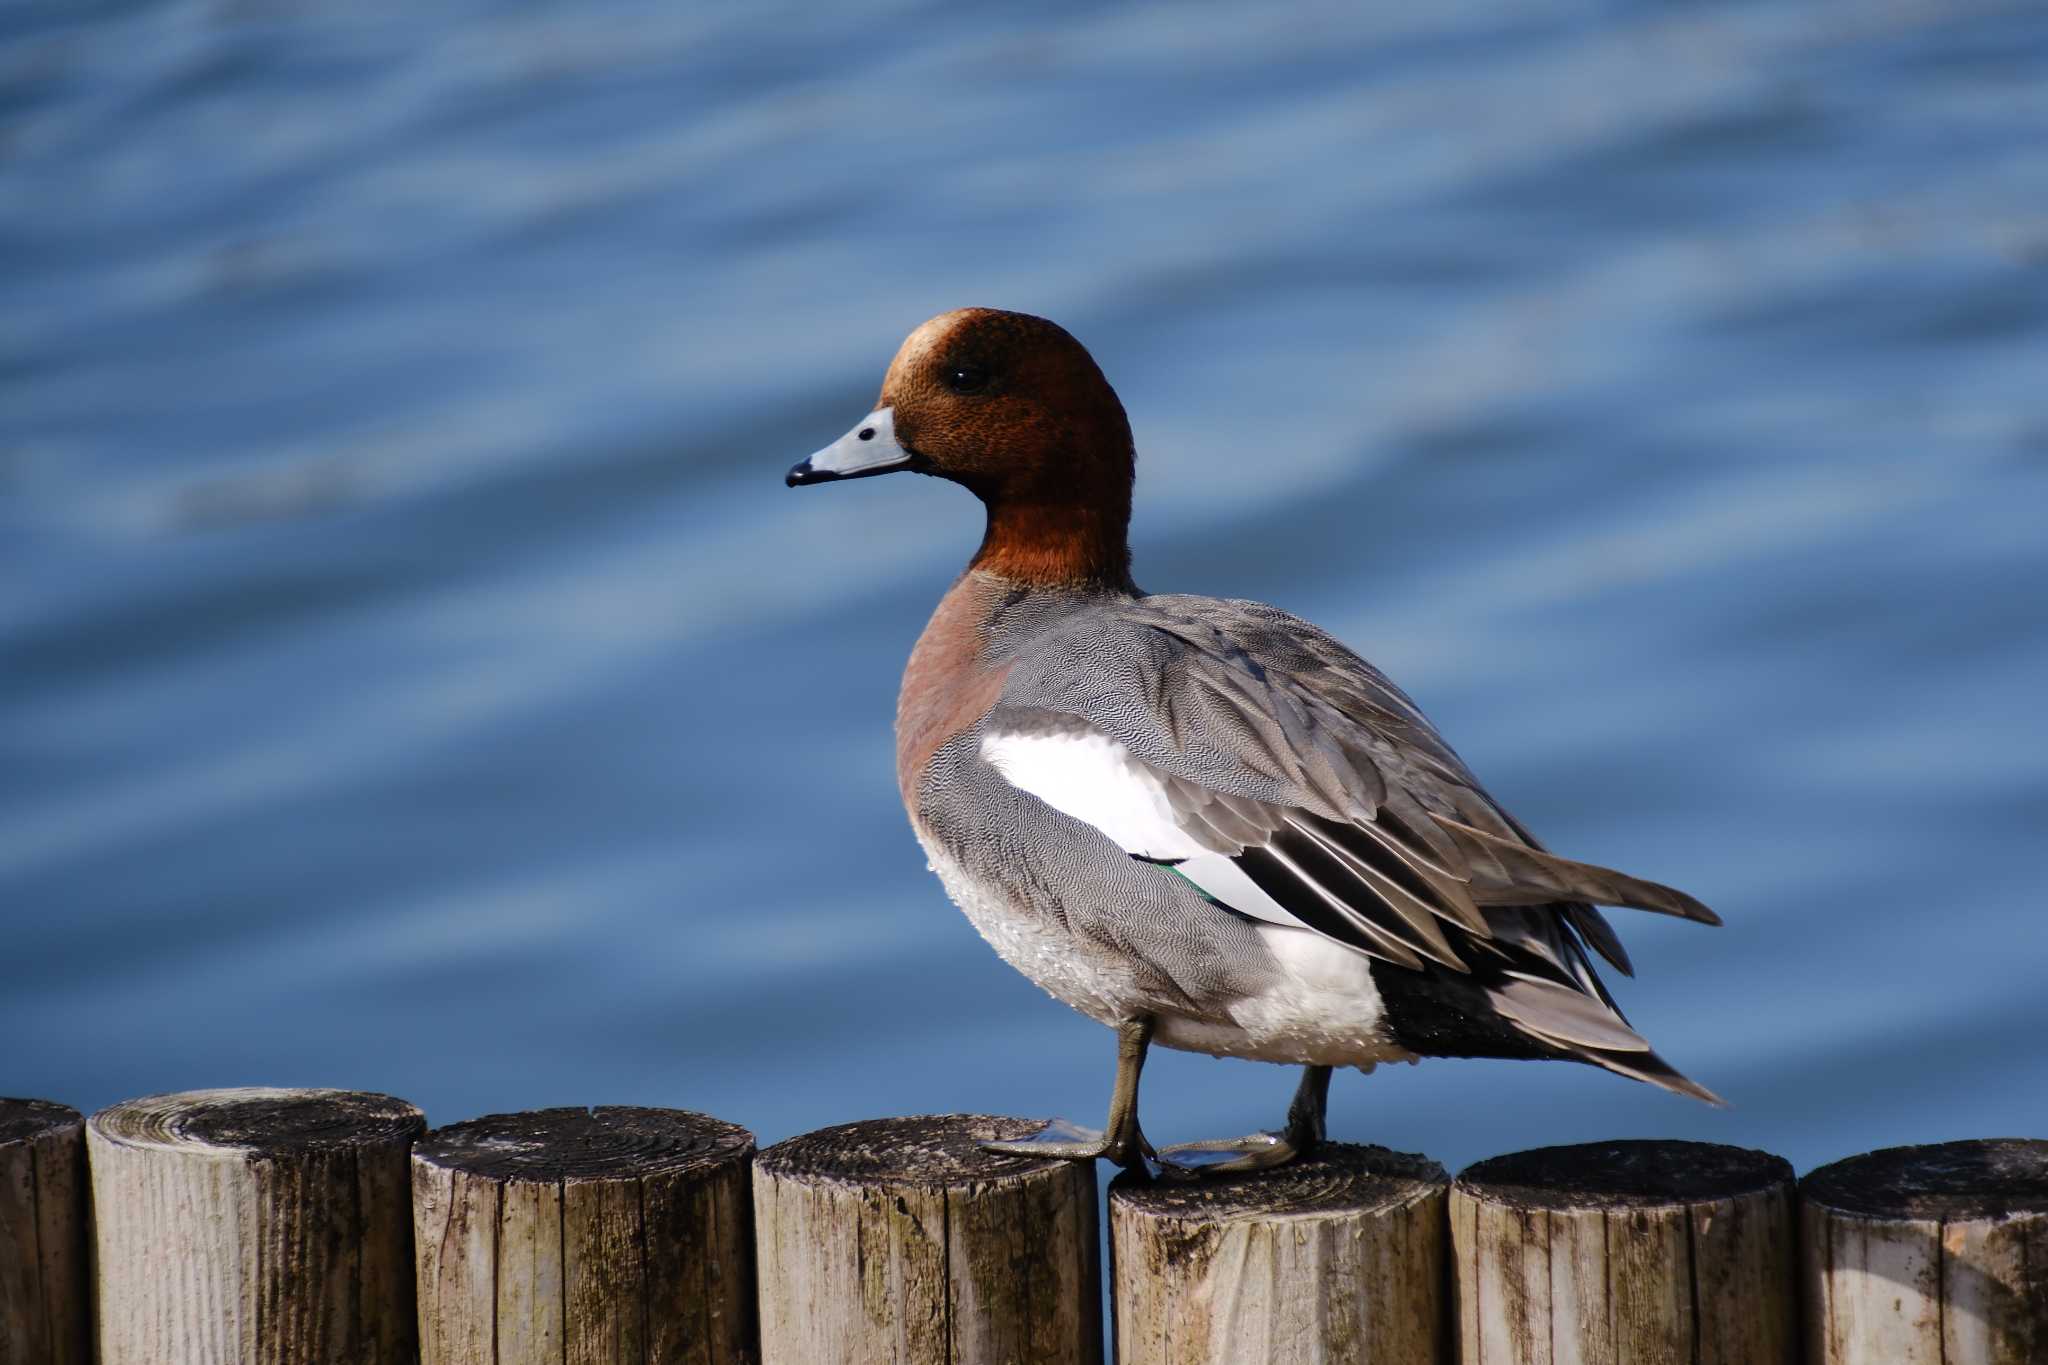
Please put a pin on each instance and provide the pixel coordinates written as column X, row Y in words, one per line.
column 414, row 675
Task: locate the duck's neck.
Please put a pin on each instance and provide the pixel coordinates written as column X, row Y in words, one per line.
column 1059, row 542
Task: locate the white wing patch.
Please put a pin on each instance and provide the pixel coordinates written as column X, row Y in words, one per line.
column 1088, row 775
column 1091, row 777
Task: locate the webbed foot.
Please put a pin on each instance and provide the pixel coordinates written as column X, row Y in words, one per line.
column 1124, row 1142
column 1229, row 1156
column 1258, row 1151
column 1067, row 1140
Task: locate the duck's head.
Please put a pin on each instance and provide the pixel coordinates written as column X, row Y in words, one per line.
column 1014, row 409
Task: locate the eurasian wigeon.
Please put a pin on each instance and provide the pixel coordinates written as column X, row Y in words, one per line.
column 1205, row 823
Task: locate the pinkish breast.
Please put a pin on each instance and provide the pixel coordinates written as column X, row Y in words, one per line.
column 947, row 685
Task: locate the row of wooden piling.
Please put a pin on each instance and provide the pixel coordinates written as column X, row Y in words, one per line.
column 295, row 1227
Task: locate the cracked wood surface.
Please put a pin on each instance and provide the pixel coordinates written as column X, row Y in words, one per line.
column 45, row 1297
column 1626, row 1253
column 900, row 1240
column 1934, row 1255
column 1337, row 1259
column 608, row 1236
column 253, row 1226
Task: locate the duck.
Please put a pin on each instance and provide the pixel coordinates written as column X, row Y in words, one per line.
column 1203, row 822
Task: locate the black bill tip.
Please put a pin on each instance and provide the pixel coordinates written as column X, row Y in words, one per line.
column 801, row 474
column 807, row 472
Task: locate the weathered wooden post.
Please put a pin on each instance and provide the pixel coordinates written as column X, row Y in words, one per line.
column 45, row 1299
column 1336, row 1258
column 1932, row 1254
column 900, row 1240
column 609, row 1236
column 1626, row 1252
column 253, row 1227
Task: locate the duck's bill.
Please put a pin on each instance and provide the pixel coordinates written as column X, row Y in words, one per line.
column 869, row 448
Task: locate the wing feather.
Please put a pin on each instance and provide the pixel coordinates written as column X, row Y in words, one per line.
column 1419, row 917
column 1450, row 896
column 1403, row 914
column 1314, row 907
column 1530, row 875
column 1289, row 780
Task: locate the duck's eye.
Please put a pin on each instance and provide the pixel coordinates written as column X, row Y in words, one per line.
column 966, row 378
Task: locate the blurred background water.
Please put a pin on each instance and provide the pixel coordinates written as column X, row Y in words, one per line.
column 414, row 675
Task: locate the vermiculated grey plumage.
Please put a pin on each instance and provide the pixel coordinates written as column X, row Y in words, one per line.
column 1206, row 824
column 1280, row 747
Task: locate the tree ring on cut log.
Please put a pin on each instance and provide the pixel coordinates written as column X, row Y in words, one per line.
column 260, row 1120
column 577, row 1143
column 1337, row 1177
column 25, row 1120
column 926, row 1150
column 1628, row 1174
column 1954, row 1181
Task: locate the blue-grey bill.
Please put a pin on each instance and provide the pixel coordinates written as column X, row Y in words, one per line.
column 870, row 448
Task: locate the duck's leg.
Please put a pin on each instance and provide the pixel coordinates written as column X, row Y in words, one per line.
column 1259, row 1151
column 1122, row 1141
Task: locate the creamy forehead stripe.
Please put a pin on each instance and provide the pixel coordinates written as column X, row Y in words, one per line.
column 919, row 344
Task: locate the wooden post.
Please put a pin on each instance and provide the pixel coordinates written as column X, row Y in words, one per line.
column 1335, row 1258
column 589, row 1236
column 253, row 1227
column 1626, row 1252
column 45, row 1300
column 1928, row 1254
column 900, row 1240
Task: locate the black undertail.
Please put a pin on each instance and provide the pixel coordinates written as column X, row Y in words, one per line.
column 1432, row 1010
column 1436, row 1012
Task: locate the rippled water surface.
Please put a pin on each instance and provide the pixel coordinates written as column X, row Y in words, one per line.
column 414, row 675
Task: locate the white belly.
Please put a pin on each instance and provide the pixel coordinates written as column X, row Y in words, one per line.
column 1321, row 1009
column 1048, row 956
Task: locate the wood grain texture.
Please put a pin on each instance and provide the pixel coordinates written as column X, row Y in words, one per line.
column 901, row 1240
column 609, row 1236
column 253, row 1227
column 1337, row 1259
column 45, row 1297
column 1626, row 1253
column 1935, row 1254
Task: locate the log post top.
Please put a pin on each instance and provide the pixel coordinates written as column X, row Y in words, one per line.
column 257, row 1121
column 1339, row 1178
column 1986, row 1178
column 1336, row 1256
column 926, row 1151
column 901, row 1239
column 1627, row 1174
column 24, row 1120
column 577, row 1143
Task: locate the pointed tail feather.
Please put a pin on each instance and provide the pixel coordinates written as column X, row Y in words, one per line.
column 1648, row 1066
column 1594, row 928
column 1586, row 1028
column 1531, row 876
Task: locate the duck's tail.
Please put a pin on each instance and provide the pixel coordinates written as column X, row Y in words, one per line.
column 1550, row 993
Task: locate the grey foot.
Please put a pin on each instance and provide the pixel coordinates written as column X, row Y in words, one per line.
column 1230, row 1156
column 1067, row 1140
